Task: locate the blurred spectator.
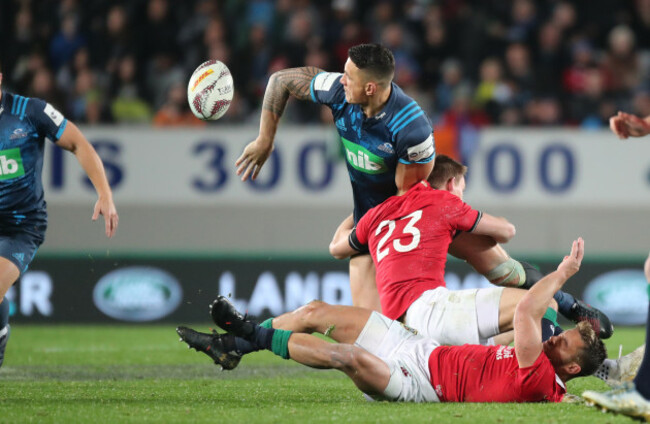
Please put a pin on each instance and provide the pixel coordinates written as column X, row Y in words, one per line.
column 175, row 111
column 549, row 59
column 492, row 91
column 621, row 62
column 452, row 84
column 519, row 72
column 128, row 105
column 43, row 87
column 87, row 103
column 65, row 44
column 493, row 62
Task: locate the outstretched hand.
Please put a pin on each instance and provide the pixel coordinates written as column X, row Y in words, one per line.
column 251, row 160
column 571, row 263
column 106, row 207
column 626, row 125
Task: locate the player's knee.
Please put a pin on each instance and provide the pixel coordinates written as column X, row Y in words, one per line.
column 310, row 312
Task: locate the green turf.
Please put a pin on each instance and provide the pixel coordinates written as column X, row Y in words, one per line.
column 81, row 374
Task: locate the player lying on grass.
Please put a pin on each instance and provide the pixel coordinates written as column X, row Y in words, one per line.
column 388, row 360
column 632, row 397
column 408, row 237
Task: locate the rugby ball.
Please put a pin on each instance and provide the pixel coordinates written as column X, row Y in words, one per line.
column 210, row 90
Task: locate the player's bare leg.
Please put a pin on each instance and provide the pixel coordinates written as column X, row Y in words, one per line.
column 362, row 283
column 9, row 273
column 504, row 338
column 342, row 323
column 369, row 373
column 244, row 336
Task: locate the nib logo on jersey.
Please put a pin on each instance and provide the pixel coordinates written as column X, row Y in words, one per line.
column 11, row 164
column 362, row 159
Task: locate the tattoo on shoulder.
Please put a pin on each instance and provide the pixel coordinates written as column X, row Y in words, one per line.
column 292, row 81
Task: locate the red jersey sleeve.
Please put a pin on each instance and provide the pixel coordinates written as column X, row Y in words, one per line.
column 461, row 215
column 363, row 227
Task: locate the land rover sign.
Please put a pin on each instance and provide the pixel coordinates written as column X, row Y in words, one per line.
column 137, row 294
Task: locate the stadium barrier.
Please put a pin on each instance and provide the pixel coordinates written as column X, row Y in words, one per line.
column 109, row 289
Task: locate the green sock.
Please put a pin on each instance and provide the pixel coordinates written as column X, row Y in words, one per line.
column 280, row 343
column 268, row 323
column 551, row 315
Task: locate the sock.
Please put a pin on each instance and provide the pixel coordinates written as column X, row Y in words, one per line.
column 280, row 343
column 564, row 302
column 531, row 275
column 603, row 371
column 275, row 340
column 549, row 323
column 268, row 323
column 4, row 313
column 642, row 379
column 237, row 344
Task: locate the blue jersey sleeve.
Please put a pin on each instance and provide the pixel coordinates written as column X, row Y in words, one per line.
column 48, row 121
column 326, row 88
column 414, row 139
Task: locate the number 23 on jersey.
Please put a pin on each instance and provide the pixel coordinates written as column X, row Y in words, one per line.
column 384, row 247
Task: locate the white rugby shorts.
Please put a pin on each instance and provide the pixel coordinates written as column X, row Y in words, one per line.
column 456, row 317
column 407, row 355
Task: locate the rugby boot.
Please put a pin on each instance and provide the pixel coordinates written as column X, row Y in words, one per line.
column 624, row 400
column 616, row 372
column 228, row 318
column 212, row 345
column 4, row 338
column 580, row 311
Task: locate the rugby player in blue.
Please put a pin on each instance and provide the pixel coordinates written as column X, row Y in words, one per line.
column 25, row 123
column 387, row 137
column 389, row 147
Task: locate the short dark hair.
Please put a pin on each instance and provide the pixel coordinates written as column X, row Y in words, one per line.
column 593, row 354
column 375, row 59
column 444, row 169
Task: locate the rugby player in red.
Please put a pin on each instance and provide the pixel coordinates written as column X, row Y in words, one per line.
column 409, row 236
column 387, row 360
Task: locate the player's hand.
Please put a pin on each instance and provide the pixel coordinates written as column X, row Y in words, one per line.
column 571, row 264
column 106, row 207
column 251, row 160
column 626, row 125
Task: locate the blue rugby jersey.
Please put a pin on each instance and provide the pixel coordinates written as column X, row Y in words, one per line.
column 24, row 124
column 373, row 146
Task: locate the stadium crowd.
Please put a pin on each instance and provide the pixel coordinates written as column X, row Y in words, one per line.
column 469, row 63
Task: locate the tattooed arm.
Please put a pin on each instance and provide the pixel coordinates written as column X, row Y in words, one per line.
column 287, row 82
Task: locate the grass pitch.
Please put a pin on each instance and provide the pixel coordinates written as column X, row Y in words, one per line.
column 143, row 374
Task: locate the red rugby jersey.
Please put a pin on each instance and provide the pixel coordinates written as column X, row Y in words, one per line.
column 474, row 373
column 408, row 237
